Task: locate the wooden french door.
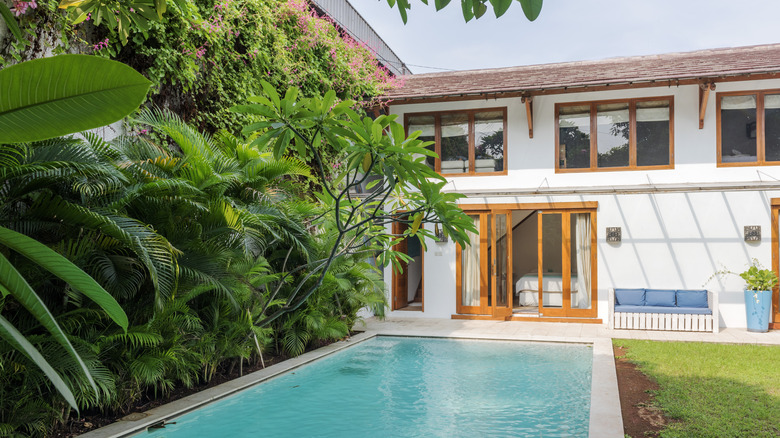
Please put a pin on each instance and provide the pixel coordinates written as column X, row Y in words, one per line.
column 566, row 258
column 484, row 270
column 774, row 320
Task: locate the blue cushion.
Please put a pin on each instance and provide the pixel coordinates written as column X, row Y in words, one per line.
column 660, row 309
column 629, row 297
column 692, row 298
column 659, row 297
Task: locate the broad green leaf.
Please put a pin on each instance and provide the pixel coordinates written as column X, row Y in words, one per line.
column 65, row 270
column 500, row 6
column 366, row 162
column 479, row 9
column 14, row 283
column 440, row 4
column 49, row 97
column 64, row 4
column 10, row 21
column 21, row 344
column 531, row 8
column 160, row 6
column 468, row 9
column 416, row 224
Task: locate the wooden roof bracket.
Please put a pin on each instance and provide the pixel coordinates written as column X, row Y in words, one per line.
column 704, row 95
column 529, row 112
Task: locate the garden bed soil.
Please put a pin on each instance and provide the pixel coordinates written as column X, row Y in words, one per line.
column 91, row 420
column 641, row 416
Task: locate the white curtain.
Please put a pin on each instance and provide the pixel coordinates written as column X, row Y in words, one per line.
column 583, row 260
column 470, row 269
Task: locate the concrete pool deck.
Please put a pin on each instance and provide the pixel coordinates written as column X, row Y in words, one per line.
column 605, row 416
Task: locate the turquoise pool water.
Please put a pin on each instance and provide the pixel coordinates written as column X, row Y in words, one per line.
column 412, row 387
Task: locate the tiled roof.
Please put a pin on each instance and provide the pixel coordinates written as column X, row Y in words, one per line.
column 701, row 64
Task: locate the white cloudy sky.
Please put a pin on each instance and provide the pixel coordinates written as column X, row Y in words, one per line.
column 569, row 30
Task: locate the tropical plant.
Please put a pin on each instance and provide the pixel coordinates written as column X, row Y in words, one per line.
column 84, row 92
column 46, row 87
column 406, row 190
column 758, row 278
column 475, row 8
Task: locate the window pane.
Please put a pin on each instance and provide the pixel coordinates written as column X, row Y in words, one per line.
column 454, row 143
column 738, row 129
column 612, row 138
column 772, row 127
column 652, row 133
column 489, row 140
column 426, row 124
column 574, row 137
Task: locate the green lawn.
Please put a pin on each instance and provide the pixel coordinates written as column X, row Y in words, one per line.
column 714, row 390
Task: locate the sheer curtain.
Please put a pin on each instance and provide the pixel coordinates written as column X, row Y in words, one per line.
column 470, row 269
column 583, row 260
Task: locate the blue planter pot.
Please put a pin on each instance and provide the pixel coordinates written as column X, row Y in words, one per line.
column 758, row 307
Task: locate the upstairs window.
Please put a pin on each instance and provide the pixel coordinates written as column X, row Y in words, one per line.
column 615, row 135
column 749, row 128
column 467, row 142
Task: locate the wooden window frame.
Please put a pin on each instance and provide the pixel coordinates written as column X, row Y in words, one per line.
column 631, row 141
column 760, row 131
column 472, row 153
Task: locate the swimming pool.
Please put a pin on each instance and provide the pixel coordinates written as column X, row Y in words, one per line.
column 409, row 387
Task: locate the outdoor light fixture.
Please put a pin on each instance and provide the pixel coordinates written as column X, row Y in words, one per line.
column 614, row 234
column 752, row 233
column 439, row 231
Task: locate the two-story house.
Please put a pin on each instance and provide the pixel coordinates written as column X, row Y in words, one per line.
column 651, row 171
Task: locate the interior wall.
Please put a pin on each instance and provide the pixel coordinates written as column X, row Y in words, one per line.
column 551, row 245
column 414, row 271
column 524, row 243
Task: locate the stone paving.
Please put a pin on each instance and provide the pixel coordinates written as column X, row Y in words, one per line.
column 534, row 330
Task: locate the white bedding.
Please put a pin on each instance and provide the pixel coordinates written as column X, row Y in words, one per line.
column 527, row 289
column 551, row 282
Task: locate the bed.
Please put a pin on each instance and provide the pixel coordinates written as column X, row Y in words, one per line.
column 527, row 289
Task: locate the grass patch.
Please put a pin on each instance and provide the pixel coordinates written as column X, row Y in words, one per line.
column 713, row 390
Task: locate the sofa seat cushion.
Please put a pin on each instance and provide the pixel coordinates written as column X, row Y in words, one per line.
column 630, row 297
column 692, row 298
column 660, row 297
column 659, row 309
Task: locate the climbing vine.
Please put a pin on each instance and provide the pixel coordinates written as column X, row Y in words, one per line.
column 206, row 55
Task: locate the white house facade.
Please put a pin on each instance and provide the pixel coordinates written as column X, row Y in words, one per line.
column 648, row 172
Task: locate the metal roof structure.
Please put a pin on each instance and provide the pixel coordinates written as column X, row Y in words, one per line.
column 342, row 12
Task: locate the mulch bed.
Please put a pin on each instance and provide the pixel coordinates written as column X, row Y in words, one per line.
column 91, row 420
column 641, row 416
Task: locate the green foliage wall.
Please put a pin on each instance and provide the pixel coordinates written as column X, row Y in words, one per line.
column 205, row 55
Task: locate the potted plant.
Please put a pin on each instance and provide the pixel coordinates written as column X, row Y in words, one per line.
column 759, row 283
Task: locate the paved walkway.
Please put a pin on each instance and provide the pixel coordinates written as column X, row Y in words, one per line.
column 547, row 330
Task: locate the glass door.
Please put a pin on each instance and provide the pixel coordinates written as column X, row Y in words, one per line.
column 565, row 264
column 484, row 268
column 501, row 272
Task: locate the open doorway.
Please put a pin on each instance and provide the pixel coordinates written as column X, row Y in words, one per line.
column 553, row 263
column 528, row 260
column 408, row 284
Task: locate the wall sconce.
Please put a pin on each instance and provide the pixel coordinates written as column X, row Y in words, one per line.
column 752, row 233
column 440, row 234
column 614, row 234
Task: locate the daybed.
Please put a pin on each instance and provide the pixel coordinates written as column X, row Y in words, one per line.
column 663, row 309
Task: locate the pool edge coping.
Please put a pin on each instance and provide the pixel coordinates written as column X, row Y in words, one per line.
column 176, row 408
column 605, row 417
